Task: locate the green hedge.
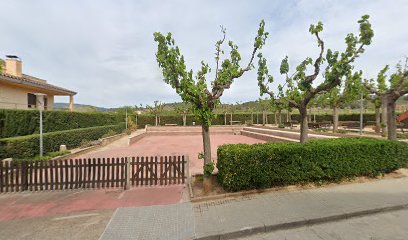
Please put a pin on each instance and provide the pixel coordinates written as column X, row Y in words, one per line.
column 266, row 165
column 26, row 122
column 28, row 146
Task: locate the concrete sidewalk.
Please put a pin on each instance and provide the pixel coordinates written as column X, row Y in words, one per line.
column 231, row 218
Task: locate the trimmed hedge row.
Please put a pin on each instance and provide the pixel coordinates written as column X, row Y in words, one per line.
column 26, row 122
column 28, row 146
column 242, row 166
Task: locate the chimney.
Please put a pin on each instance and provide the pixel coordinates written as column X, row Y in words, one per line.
column 13, row 66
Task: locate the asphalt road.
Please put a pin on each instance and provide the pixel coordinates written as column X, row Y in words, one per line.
column 383, row 226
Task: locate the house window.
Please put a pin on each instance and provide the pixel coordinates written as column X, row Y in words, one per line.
column 45, row 102
column 32, row 100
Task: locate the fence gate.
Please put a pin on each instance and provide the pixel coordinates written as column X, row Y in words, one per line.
column 92, row 173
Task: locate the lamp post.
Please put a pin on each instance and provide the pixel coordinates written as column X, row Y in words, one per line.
column 41, row 120
column 361, row 113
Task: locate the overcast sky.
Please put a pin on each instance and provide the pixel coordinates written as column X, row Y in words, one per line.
column 104, row 50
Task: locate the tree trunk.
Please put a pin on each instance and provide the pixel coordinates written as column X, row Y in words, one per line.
column 335, row 119
column 303, row 124
column 377, row 120
column 391, row 119
column 184, row 119
column 257, row 118
column 384, row 116
column 279, row 118
column 252, row 118
column 207, row 156
column 289, row 117
column 263, row 118
column 225, row 118
column 266, row 118
column 276, row 119
column 231, row 119
column 156, row 120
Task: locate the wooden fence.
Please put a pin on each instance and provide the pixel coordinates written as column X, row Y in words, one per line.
column 92, row 173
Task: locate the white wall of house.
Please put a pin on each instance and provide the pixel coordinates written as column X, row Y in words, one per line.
column 16, row 98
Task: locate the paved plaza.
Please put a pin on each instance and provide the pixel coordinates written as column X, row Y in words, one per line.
column 189, row 145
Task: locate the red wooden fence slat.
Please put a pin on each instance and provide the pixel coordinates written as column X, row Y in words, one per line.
column 52, row 182
column 112, row 172
column 66, row 166
column 141, row 170
column 146, row 170
column 137, row 174
column 11, row 170
column 132, row 172
column 98, row 181
column 103, row 173
column 122, row 172
column 46, row 166
column 161, row 170
column 182, row 169
column 156, row 162
column 117, row 163
column 108, row 161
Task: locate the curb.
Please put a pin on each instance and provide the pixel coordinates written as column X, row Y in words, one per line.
column 296, row 224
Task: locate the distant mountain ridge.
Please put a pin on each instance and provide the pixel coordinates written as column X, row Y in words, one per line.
column 83, row 107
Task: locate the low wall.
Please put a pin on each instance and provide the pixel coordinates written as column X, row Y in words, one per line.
column 183, row 131
column 80, row 151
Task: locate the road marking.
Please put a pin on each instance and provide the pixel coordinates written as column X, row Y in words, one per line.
column 75, row 216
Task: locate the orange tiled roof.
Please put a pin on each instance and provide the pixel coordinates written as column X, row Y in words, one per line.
column 35, row 82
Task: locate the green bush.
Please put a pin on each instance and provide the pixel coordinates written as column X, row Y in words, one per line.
column 266, row 165
column 28, row 146
column 26, row 122
column 50, row 155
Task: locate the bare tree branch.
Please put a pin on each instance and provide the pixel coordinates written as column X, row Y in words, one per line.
column 317, row 62
column 218, row 50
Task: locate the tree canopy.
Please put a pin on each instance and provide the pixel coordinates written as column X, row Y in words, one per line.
column 194, row 90
column 299, row 88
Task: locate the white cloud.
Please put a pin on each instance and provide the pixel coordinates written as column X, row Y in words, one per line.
column 105, row 51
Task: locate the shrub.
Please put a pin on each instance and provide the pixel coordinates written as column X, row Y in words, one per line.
column 26, row 122
column 109, row 133
column 244, row 166
column 50, row 155
column 28, row 146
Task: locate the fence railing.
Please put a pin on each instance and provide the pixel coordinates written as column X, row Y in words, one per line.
column 92, row 173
